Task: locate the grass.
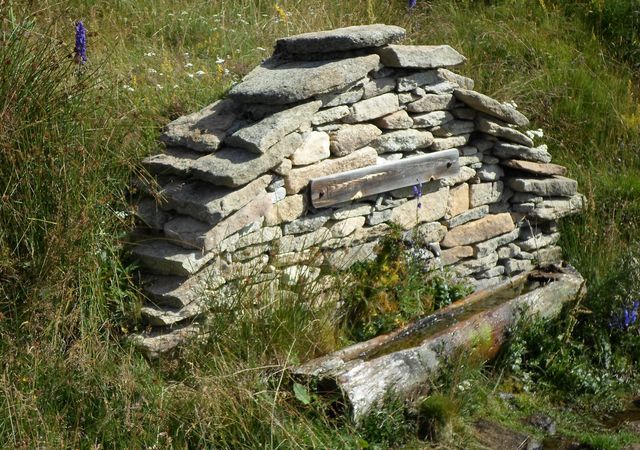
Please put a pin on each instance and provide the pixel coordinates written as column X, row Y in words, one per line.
column 70, row 141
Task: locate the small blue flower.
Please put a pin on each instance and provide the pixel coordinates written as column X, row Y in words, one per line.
column 412, row 3
column 81, row 43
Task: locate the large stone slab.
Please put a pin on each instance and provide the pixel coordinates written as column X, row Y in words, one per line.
column 157, row 342
column 535, row 168
column 547, row 187
column 487, row 105
column 202, row 131
column 277, row 83
column 402, row 141
column 235, row 167
column 372, row 108
column 173, row 161
column 513, row 151
column 162, row 257
column 556, row 208
column 261, row 136
column 176, row 291
column 190, row 232
column 209, row 203
column 479, row 230
column 420, row 56
column 297, row 179
column 537, row 241
column 349, row 138
column 498, row 130
column 341, row 39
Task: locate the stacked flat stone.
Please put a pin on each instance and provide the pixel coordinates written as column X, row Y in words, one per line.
column 233, row 181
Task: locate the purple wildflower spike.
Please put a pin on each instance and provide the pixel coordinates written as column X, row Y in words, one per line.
column 412, row 3
column 81, row 43
column 417, row 192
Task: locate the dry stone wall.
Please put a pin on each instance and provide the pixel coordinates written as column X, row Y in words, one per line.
column 231, row 196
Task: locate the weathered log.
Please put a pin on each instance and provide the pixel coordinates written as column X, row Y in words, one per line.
column 355, row 184
column 403, row 362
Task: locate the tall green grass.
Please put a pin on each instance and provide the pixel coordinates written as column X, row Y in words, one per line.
column 70, row 139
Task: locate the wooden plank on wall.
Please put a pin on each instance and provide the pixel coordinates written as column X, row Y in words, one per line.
column 355, row 184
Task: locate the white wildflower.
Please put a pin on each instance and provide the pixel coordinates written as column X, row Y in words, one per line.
column 190, row 75
column 158, row 86
column 184, row 13
column 152, row 71
column 150, row 54
column 188, row 65
column 261, row 48
column 121, row 214
column 511, row 103
column 534, row 133
column 199, row 73
column 175, row 86
column 126, row 87
column 226, row 71
column 219, row 60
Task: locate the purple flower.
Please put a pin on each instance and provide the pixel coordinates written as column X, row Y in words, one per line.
column 412, row 3
column 627, row 318
column 417, row 192
column 81, row 43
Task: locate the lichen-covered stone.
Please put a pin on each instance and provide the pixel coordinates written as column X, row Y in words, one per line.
column 555, row 186
column 210, row 203
column 491, row 107
column 514, row 151
column 202, row 131
column 261, row 136
column 234, row 167
column 276, row 83
column 493, row 128
column 420, row 56
column 431, row 102
column 432, row 119
column 402, row 141
column 341, row 39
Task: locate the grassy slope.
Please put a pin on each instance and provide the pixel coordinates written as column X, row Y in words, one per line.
column 66, row 380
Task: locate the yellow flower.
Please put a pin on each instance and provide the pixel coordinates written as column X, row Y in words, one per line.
column 281, row 12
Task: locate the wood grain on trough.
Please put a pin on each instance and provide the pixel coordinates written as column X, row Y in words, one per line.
column 355, row 184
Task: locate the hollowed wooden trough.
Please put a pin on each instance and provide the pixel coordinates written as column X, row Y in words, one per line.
column 403, row 362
